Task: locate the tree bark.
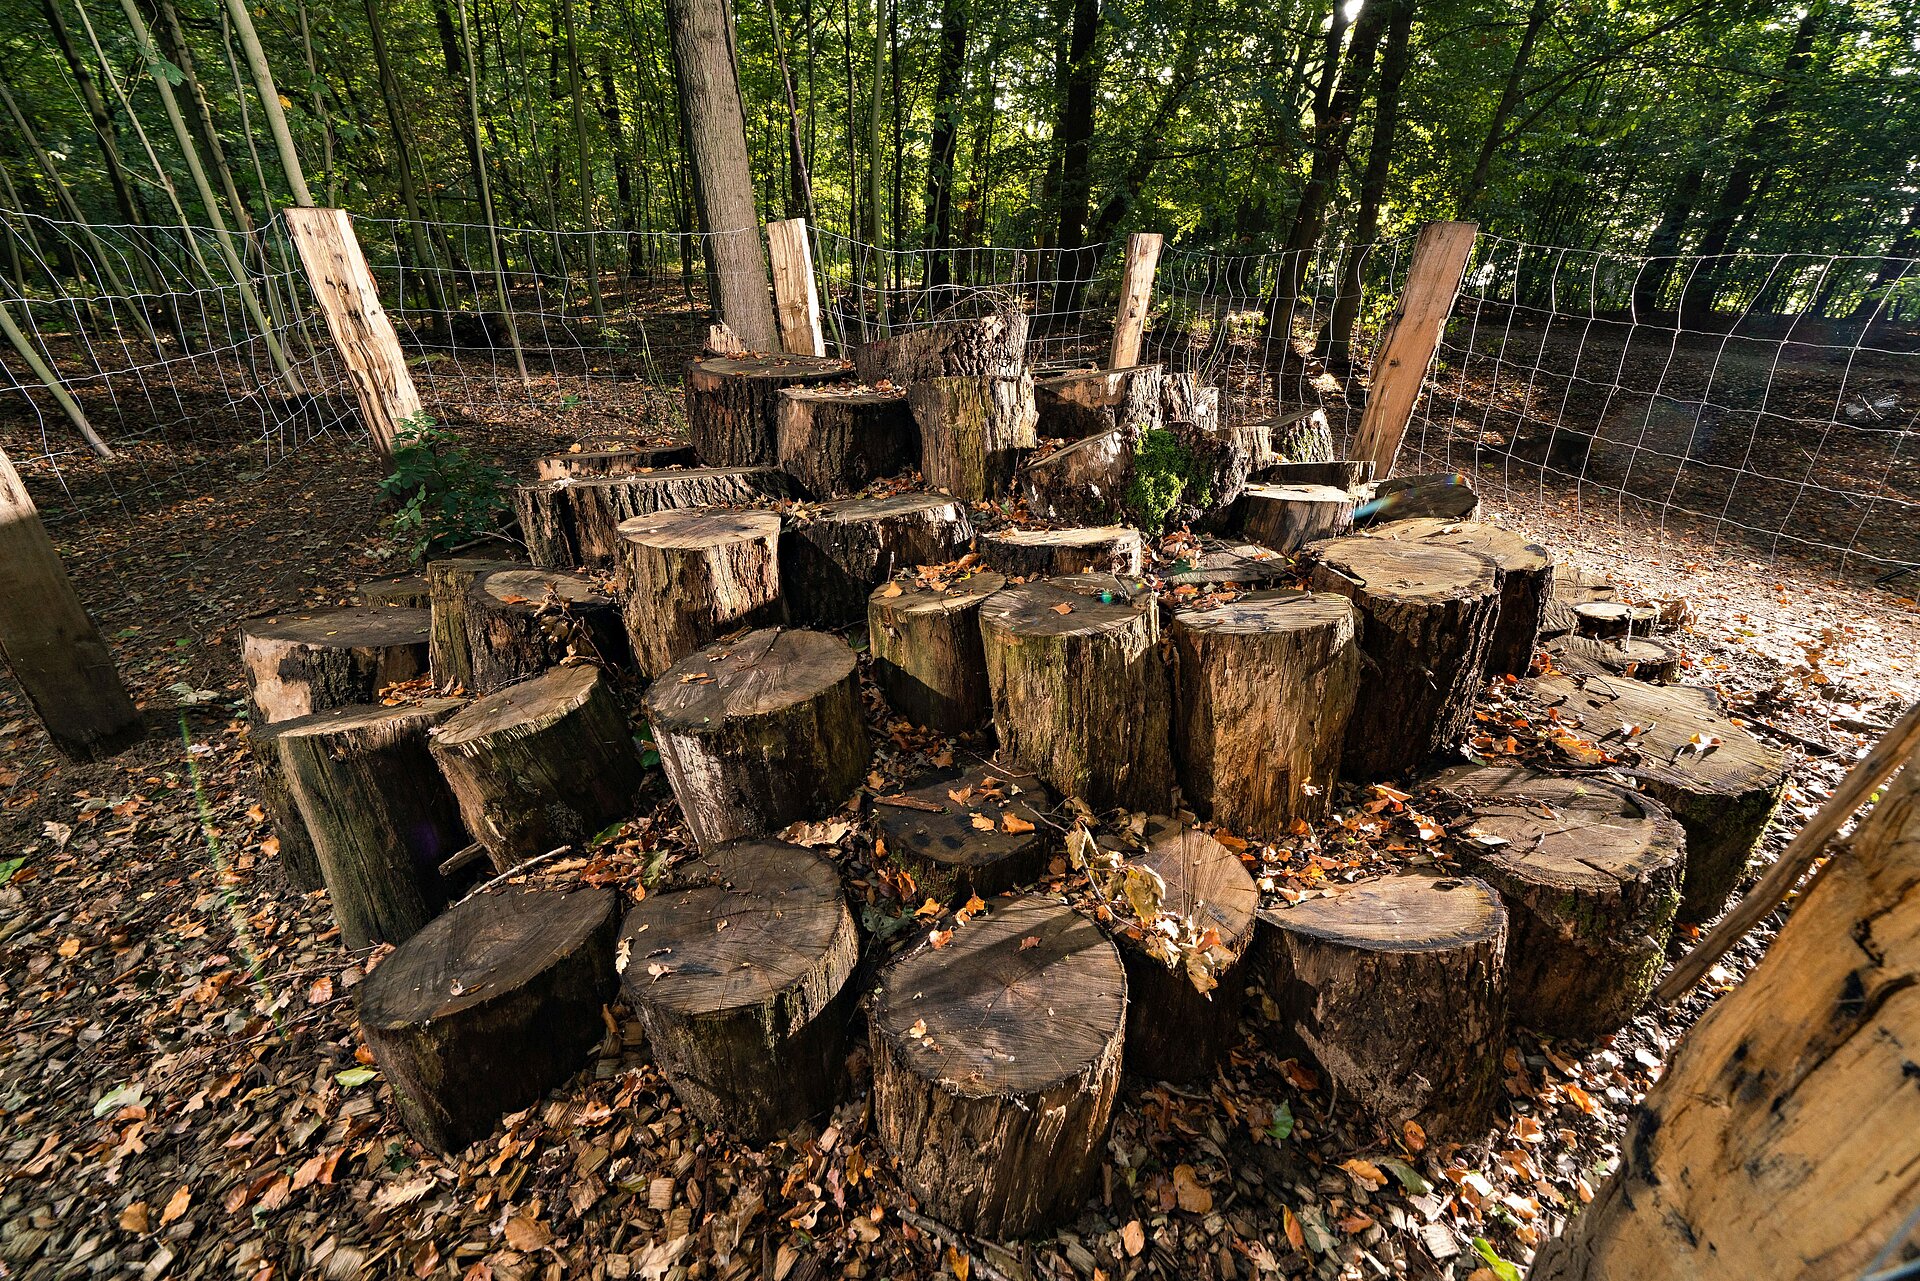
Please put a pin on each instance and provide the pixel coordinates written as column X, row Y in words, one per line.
column 1088, row 402
column 691, row 575
column 927, row 657
column 519, row 622
column 1053, row 553
column 834, row 441
column 576, row 523
column 733, row 404
column 1526, row 581
column 833, row 557
column 449, row 587
column 974, row 431
column 301, row 663
column 961, row 833
column 990, row 346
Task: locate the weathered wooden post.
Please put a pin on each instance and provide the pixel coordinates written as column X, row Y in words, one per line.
column 796, row 300
column 1407, row 346
column 1136, row 292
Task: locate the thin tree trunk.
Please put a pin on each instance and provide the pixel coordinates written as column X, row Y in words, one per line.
column 173, row 41
column 944, row 146
column 485, row 190
column 403, row 156
column 1073, row 139
column 1896, row 264
column 320, row 111
column 124, row 194
column 800, row 183
column 576, row 92
column 1509, row 99
column 1664, row 243
column 270, row 102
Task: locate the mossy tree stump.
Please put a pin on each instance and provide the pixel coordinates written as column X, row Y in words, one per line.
column 301, row 662
column 974, row 432
column 989, row 346
column 1263, row 690
column 927, row 656
column 1297, row 434
column 833, row 440
column 740, row 978
column 996, row 1060
column 1087, row 402
column 628, row 461
column 1050, row 553
column 572, row 524
column 692, row 574
column 733, row 403
column 1080, row 693
column 834, row 555
column 1397, row 988
column 760, row 731
column 490, row 1006
column 1526, row 581
column 1288, row 517
column 979, row 831
column 520, row 622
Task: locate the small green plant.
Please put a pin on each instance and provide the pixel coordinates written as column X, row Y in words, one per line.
column 443, row 495
column 1166, row 476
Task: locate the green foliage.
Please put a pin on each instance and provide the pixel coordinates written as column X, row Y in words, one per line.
column 444, row 496
column 1166, row 476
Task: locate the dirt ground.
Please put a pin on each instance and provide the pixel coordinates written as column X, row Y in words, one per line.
column 184, row 1092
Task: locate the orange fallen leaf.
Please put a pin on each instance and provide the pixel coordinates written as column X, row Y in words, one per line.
column 176, row 1204
column 1063, row 608
column 940, row 938
column 1133, row 1239
column 1017, row 826
column 1189, row 1193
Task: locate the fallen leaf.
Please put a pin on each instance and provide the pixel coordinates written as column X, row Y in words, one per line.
column 1191, row 1195
column 1063, row 608
column 527, row 1234
column 135, row 1218
column 1010, row 823
column 176, row 1204
column 1133, row 1238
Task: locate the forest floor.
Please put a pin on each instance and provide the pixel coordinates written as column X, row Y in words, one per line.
column 183, row 1090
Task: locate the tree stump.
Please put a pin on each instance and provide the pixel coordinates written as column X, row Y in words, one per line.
column 1176, row 1032
column 1613, row 619
column 490, row 1006
column 1443, row 494
column 1050, row 553
column 313, row 661
column 989, row 346
column 1572, row 586
column 834, row 440
column 409, row 591
column 927, row 657
column 449, row 587
column 834, row 555
column 974, row 432
column 1641, row 657
column 634, row 461
column 1300, row 434
column 690, row 575
column 1080, row 694
column 299, row 864
column 1263, row 690
column 380, row 814
column 1341, row 473
column 1086, row 480
column 1723, row 795
column 1428, row 620
column 520, row 622
column 575, row 523
column 1288, row 517
column 995, row 1064
column 1088, row 402
column 740, row 978
column 1397, row 988
column 758, row 732
column 733, row 403
column 1526, row 581
column 1186, row 398
column 979, row 831
column 1222, row 566
column 544, row 763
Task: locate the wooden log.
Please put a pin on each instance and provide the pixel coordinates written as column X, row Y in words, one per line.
column 1642, row 657
column 1080, row 693
column 974, row 432
column 1300, row 434
column 1590, row 874
column 963, row 832
column 547, row 762
column 1089, row 402
column 1613, row 619
column 1723, row 786
column 379, row 812
column 996, row 1060
column 834, row 555
column 1443, row 494
column 740, row 977
column 449, row 586
column 1225, row 566
column 690, row 575
column 636, row 460
column 1430, row 1053
column 1175, row 1031
column 1263, row 690
column 520, row 622
column 1341, row 473
column 1086, row 480
column 299, row 863
column 1526, row 581
column 796, row 299
column 758, row 732
column 409, row 591
column 1572, row 586
column 1050, row 553
column 834, row 440
column 1428, row 616
column 989, row 346
column 1136, row 294
column 1288, row 517
column 490, row 1006
column 572, row 524
column 298, row 663
column 733, row 403
column 927, row 656
column 1406, row 346
column 1186, row 398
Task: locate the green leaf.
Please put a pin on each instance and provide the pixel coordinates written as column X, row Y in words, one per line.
column 355, row 1076
column 608, row 833
column 1280, row 1128
column 1410, row 1178
column 8, row 868
column 1504, row 1269
column 115, row 1099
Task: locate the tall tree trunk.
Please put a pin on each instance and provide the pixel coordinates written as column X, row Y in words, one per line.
column 485, row 191
column 1896, row 264
column 319, row 108
column 270, row 103
column 402, row 136
column 944, row 146
column 173, row 42
column 799, row 182
column 1146, row 149
column 124, row 194
column 1073, row 143
column 1510, row 96
column 583, row 155
column 1664, row 243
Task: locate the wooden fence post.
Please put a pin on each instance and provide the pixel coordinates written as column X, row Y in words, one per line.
column 53, row 647
column 365, row 337
column 796, row 299
column 1408, row 343
column 1136, row 292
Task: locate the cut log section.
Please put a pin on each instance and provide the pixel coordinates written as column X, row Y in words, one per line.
column 1341, row 473
column 1443, row 494
column 733, row 403
column 1613, row 619
column 634, row 461
column 1571, row 587
column 1222, row 566
column 979, row 831
column 1300, row 434
column 1526, row 581
column 1397, row 987
column 1288, row 517
column 974, row 432
column 1428, row 616
column 575, row 523
column 1643, row 658
column 996, row 1060
column 834, row 555
column 1050, row 553
column 1086, row 480
column 835, row 439
column 449, row 587
column 1088, row 402
column 693, row 574
column 758, row 732
column 1080, row 693
column 989, row 346
column 299, row 864
column 1721, row 782
column 1263, row 690
column 548, row 762
column 380, row 814
column 1176, row 1032
column 313, row 661
column 927, row 657
column 740, row 978
column 520, row 622
column 1186, row 398
column 490, row 1006
column 408, row 591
